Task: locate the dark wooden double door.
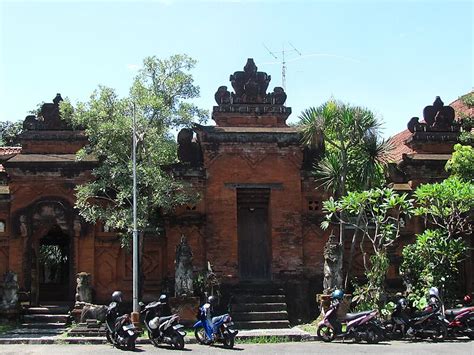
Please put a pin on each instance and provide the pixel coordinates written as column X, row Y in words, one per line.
column 253, row 234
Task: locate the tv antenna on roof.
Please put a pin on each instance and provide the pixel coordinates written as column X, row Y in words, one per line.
column 281, row 56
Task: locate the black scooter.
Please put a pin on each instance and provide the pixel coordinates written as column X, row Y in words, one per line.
column 162, row 327
column 120, row 331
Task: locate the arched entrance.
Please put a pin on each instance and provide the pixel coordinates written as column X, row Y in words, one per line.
column 48, row 228
column 53, row 259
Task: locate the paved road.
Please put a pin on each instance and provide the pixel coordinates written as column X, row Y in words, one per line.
column 393, row 348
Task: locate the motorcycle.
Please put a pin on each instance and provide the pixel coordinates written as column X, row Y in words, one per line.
column 359, row 326
column 460, row 321
column 218, row 329
column 162, row 328
column 120, row 330
column 429, row 323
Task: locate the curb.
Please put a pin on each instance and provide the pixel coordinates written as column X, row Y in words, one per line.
column 103, row 340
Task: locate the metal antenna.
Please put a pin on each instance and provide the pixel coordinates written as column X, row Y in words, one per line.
column 283, row 60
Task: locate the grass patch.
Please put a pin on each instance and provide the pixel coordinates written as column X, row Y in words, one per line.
column 310, row 328
column 263, row 340
column 7, row 326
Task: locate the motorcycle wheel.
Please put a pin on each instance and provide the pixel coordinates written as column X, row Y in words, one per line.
column 229, row 341
column 326, row 333
column 471, row 335
column 152, row 340
column 372, row 335
column 441, row 331
column 109, row 337
column 178, row 342
column 131, row 344
column 200, row 335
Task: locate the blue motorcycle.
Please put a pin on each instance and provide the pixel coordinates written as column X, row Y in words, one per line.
column 209, row 330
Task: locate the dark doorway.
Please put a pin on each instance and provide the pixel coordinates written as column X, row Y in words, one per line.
column 253, row 234
column 53, row 266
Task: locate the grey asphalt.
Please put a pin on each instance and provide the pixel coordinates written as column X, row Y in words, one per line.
column 335, row 348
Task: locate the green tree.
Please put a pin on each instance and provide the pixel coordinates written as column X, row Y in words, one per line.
column 9, row 132
column 447, row 206
column 462, row 162
column 159, row 99
column 378, row 214
column 434, row 259
column 466, row 119
column 355, row 154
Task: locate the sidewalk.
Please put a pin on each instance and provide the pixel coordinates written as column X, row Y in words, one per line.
column 290, row 334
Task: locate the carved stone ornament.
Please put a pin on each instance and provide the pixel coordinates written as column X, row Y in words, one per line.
column 48, row 117
column 332, row 264
column 10, row 291
column 184, row 269
column 83, row 288
column 437, row 117
column 250, row 87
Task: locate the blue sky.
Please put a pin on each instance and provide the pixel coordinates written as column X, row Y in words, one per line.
column 393, row 57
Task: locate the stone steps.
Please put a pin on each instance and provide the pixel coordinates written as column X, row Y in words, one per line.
column 259, row 298
column 259, row 306
column 41, row 322
column 275, row 324
column 259, row 316
column 46, row 318
column 48, row 310
column 44, row 325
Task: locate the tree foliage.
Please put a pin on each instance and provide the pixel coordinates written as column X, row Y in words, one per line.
column 159, row 99
column 462, row 162
column 354, row 150
column 378, row 214
column 433, row 260
column 447, row 205
column 9, row 132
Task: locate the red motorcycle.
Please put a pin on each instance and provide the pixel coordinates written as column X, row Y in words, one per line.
column 461, row 321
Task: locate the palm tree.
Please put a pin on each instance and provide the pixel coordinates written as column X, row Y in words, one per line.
column 355, row 155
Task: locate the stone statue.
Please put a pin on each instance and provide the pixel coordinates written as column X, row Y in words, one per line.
column 23, row 226
column 77, row 226
column 83, row 288
column 332, row 264
column 222, row 95
column 184, row 269
column 10, row 291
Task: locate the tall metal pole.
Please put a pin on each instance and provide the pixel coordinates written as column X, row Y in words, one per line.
column 136, row 307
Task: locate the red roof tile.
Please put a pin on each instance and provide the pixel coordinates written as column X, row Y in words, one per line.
column 8, row 151
column 398, row 142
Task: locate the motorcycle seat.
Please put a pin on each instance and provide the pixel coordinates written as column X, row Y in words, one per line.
column 454, row 312
column 165, row 319
column 352, row 316
column 152, row 305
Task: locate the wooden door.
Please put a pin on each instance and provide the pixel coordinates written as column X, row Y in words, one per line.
column 253, row 234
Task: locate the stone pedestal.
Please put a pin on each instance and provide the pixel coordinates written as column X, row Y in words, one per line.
column 186, row 308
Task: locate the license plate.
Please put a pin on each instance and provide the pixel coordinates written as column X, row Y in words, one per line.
column 128, row 327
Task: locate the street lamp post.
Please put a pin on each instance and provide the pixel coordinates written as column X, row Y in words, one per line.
column 136, row 308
